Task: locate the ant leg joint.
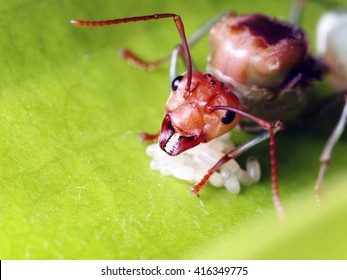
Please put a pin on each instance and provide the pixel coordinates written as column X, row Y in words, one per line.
column 324, row 160
column 146, row 137
column 279, row 125
column 195, row 192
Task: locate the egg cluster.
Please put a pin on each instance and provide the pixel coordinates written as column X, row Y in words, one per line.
column 193, row 164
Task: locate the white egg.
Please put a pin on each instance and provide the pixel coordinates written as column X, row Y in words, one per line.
column 193, row 164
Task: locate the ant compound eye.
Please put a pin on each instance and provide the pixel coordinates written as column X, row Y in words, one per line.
column 175, row 83
column 228, row 117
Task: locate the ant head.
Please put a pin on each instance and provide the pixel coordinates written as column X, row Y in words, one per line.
column 190, row 118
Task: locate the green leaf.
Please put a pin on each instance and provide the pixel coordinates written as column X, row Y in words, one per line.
column 75, row 182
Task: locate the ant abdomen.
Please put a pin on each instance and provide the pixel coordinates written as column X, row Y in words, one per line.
column 265, row 61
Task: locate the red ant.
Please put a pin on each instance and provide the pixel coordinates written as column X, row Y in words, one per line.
column 260, row 69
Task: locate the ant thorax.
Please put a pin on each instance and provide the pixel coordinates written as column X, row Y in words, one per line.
column 265, row 62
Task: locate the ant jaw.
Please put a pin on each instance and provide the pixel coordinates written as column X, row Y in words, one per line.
column 172, row 142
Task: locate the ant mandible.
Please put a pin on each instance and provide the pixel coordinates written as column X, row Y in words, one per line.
column 260, row 70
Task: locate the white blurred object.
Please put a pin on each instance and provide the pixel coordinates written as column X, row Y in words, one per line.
column 193, row 164
column 332, row 46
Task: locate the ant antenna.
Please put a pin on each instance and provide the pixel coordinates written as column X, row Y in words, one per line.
column 178, row 22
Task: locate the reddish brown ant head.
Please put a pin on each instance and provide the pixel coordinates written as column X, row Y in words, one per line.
column 189, row 119
column 259, row 51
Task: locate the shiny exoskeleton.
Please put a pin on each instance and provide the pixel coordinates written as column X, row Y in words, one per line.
column 188, row 114
column 266, row 62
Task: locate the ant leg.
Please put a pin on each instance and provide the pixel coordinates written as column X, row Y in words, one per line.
column 296, row 11
column 136, row 61
column 234, row 153
column 326, row 153
column 271, row 128
column 147, row 137
column 204, row 29
column 250, row 127
column 174, row 62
